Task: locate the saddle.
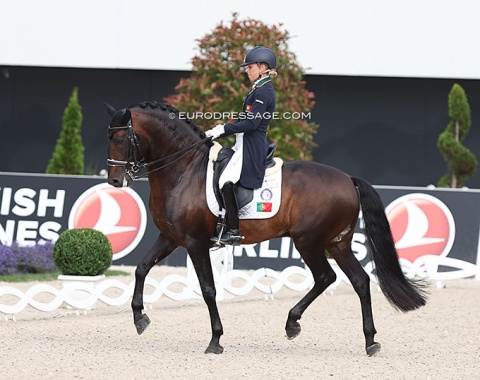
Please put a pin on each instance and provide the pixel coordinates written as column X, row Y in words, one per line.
column 244, row 195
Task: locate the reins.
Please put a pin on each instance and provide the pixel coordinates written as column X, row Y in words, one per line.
column 134, row 166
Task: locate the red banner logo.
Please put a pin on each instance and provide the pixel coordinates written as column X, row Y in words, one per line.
column 421, row 225
column 117, row 212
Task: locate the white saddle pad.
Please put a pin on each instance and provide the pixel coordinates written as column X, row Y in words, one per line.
column 266, row 200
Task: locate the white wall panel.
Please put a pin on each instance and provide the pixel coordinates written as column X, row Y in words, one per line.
column 411, row 38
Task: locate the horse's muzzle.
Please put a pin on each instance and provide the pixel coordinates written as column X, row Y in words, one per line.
column 119, row 179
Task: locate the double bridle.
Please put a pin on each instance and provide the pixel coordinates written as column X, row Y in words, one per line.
column 135, row 158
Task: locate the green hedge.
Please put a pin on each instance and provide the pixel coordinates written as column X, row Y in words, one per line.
column 82, row 252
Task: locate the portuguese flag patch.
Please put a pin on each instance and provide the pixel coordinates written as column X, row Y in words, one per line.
column 264, row 206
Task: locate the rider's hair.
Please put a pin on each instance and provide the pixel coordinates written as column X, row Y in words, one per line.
column 271, row 72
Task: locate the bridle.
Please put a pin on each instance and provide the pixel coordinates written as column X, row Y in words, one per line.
column 136, row 160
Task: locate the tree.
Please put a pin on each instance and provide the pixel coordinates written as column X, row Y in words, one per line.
column 68, row 154
column 216, row 87
column 461, row 162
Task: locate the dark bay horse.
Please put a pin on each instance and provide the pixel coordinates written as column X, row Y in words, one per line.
column 319, row 211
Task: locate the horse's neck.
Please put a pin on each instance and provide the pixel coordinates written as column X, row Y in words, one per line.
column 188, row 167
column 175, row 190
column 167, row 144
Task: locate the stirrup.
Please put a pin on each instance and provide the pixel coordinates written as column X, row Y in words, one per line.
column 231, row 237
column 217, row 243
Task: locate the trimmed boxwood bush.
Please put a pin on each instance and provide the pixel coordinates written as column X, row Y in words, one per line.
column 82, row 252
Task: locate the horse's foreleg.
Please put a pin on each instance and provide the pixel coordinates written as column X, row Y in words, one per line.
column 203, row 268
column 361, row 283
column 161, row 249
column 323, row 276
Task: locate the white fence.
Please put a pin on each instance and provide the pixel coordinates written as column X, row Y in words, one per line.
column 229, row 283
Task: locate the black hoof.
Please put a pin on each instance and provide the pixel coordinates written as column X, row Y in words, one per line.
column 211, row 349
column 373, row 349
column 142, row 324
column 293, row 331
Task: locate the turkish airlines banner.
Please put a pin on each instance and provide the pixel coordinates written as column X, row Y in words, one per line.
column 442, row 224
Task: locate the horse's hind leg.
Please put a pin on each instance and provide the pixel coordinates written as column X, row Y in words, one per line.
column 161, row 249
column 323, row 276
column 343, row 255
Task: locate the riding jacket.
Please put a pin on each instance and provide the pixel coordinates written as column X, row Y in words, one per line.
column 258, row 109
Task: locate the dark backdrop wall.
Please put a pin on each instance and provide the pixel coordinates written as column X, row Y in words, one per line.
column 386, row 129
column 382, row 129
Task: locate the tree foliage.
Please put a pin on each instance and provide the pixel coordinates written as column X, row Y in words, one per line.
column 217, row 86
column 68, row 157
column 461, row 161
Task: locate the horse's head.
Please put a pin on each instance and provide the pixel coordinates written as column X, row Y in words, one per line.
column 124, row 155
column 150, row 136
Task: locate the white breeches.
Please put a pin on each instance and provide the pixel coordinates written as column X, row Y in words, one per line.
column 234, row 167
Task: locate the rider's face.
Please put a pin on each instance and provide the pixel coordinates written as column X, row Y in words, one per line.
column 253, row 71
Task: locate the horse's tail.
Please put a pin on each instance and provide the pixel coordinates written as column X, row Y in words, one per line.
column 403, row 293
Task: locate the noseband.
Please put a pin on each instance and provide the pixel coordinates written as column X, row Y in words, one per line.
column 134, row 164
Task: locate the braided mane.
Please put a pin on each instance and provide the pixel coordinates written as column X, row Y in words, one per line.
column 170, row 109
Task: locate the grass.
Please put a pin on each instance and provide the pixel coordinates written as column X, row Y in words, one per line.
column 52, row 276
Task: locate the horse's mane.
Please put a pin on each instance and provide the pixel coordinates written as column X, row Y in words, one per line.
column 169, row 109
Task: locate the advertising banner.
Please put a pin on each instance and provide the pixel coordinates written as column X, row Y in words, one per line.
column 40, row 207
column 435, row 224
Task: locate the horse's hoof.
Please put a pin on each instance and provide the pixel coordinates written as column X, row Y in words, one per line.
column 142, row 324
column 373, row 349
column 211, row 349
column 293, row 331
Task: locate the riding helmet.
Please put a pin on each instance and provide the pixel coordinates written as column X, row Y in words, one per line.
column 260, row 54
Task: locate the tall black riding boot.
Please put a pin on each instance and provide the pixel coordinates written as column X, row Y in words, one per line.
column 232, row 233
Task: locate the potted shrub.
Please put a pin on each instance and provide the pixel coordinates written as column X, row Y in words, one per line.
column 82, row 255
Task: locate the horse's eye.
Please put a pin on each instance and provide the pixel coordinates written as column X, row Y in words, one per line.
column 118, row 140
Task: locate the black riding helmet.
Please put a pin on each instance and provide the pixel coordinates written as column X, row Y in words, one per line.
column 260, row 54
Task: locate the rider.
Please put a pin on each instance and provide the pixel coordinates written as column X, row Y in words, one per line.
column 247, row 165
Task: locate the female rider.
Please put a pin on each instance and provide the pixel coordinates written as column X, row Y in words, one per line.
column 247, row 165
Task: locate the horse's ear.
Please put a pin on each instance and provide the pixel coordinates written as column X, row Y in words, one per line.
column 110, row 109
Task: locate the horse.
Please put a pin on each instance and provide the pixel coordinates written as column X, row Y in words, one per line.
column 319, row 210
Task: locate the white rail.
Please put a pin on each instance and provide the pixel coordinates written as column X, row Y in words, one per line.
column 229, row 283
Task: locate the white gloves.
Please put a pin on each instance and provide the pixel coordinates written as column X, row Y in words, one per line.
column 215, row 132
